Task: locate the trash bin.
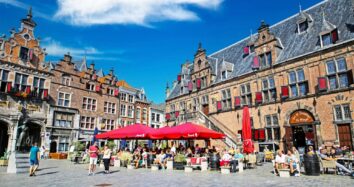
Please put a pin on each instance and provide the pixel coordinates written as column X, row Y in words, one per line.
column 312, row 165
column 214, row 162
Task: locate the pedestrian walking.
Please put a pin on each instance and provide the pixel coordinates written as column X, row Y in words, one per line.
column 34, row 159
column 106, row 158
column 93, row 151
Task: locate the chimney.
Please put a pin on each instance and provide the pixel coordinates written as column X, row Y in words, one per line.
column 67, row 57
column 92, row 66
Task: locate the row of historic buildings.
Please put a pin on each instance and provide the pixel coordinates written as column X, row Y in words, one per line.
column 296, row 77
column 56, row 104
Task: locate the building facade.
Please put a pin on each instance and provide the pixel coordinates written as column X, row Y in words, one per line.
column 157, row 115
column 295, row 77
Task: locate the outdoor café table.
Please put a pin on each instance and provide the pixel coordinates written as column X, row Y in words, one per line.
column 348, row 162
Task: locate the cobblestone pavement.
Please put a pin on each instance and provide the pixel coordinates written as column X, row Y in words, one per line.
column 65, row 173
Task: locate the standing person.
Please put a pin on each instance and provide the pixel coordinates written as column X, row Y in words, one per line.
column 34, row 159
column 93, row 151
column 42, row 151
column 106, row 158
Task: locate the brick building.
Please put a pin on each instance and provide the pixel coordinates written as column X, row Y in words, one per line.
column 296, row 77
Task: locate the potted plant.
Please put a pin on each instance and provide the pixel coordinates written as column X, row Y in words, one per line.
column 179, row 162
column 4, row 159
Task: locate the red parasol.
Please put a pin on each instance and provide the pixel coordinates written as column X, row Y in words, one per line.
column 136, row 131
column 248, row 146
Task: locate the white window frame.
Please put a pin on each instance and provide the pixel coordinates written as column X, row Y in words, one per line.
column 109, row 107
column 342, row 111
column 64, row 99
column 93, row 103
column 87, row 121
column 66, row 80
column 123, row 110
column 130, row 111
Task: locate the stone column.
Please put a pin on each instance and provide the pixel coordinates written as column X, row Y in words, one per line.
column 318, row 133
column 11, row 168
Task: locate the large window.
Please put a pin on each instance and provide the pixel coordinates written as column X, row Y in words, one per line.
column 138, row 113
column 38, row 86
column 110, row 91
column 342, row 112
column 89, row 104
column 109, row 108
column 272, row 126
column 64, row 99
column 109, row 124
column 152, row 116
column 63, row 144
column 4, row 75
column 298, row 84
column 21, row 82
column 204, row 82
column 131, row 99
column 123, row 96
column 266, row 60
column 269, row 90
column 157, row 117
column 337, row 74
column 246, row 95
column 130, row 111
column 24, row 54
column 123, row 110
column 226, row 99
column 144, row 118
column 63, row 120
column 87, row 122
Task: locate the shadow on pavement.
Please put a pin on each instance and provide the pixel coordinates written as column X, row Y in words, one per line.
column 49, row 173
column 40, row 169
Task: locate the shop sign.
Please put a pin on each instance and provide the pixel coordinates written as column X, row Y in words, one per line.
column 301, row 117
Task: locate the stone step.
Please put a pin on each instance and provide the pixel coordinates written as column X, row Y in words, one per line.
column 22, row 160
column 22, row 170
column 22, row 165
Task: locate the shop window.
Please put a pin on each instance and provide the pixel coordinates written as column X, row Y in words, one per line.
column 269, row 90
column 342, row 112
column 246, row 95
column 64, row 99
column 3, row 81
column 272, row 128
column 297, row 83
column 226, row 99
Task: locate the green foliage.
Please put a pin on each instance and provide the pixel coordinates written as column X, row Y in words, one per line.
column 79, row 146
column 180, row 158
column 111, row 144
column 6, row 154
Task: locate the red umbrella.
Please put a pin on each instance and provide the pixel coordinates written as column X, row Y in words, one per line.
column 246, row 131
column 160, row 133
column 187, row 131
column 136, row 131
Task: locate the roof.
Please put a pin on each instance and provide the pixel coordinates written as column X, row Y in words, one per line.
column 160, row 106
column 324, row 16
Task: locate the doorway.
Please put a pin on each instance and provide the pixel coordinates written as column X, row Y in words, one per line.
column 345, row 138
column 29, row 133
column 4, row 138
column 53, row 147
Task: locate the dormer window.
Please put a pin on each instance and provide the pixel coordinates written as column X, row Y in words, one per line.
column 303, row 26
column 223, row 75
column 251, row 48
column 329, row 38
column 266, row 59
column 66, row 80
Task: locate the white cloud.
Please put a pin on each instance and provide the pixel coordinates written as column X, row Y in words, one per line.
column 25, row 6
column 140, row 12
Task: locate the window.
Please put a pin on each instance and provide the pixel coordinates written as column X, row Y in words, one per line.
column 130, row 111
column 123, row 97
column 303, row 26
column 298, row 84
column 246, row 95
column 251, row 48
column 64, row 99
column 342, row 112
column 20, row 82
column 38, row 86
column 205, row 100
column 63, row 144
column 152, row 116
column 204, row 82
column 66, row 80
column 131, row 99
column 138, row 113
column 89, row 104
column 269, row 90
column 329, row 38
column 157, row 117
column 144, row 118
column 337, row 74
column 87, row 122
column 24, row 54
column 123, row 110
column 272, row 127
column 195, row 104
column 110, row 91
column 266, row 59
column 108, row 124
column 63, row 120
column 223, row 75
column 3, row 80
column 226, row 99
column 90, row 86
column 109, row 108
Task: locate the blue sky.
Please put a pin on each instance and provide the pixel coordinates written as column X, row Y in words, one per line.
column 145, row 41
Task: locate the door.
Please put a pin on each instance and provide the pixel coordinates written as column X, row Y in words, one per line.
column 206, row 109
column 344, row 134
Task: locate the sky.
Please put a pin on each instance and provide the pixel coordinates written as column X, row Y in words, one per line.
column 145, row 41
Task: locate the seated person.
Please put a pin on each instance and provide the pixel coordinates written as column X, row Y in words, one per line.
column 236, row 158
column 225, row 159
column 291, row 161
column 189, row 153
column 137, row 159
column 323, row 155
column 332, row 154
column 310, row 151
column 144, row 156
column 160, row 159
column 279, row 161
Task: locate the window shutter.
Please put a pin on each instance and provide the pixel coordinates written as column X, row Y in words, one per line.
column 255, row 64
column 168, row 116
column 350, row 77
column 176, row 114
column 190, row 86
column 179, row 78
column 322, row 84
column 334, row 35
column 246, row 50
column 116, row 92
column 219, row 106
column 259, row 97
column 261, row 134
column 199, row 83
column 28, row 89
column 237, row 102
column 98, row 88
column 9, row 86
column 256, row 134
column 285, row 92
column 45, row 94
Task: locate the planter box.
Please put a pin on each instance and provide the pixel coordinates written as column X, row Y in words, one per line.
column 58, row 156
column 130, row 166
column 4, row 162
column 179, row 165
column 204, row 166
column 117, row 163
column 225, row 170
column 284, row 172
column 188, row 169
column 154, row 167
column 240, row 167
column 169, row 165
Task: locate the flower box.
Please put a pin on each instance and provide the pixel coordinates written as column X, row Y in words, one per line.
column 4, row 162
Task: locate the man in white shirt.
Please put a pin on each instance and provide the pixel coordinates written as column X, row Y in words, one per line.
column 279, row 161
column 173, row 149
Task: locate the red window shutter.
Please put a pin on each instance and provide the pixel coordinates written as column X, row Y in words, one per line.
column 45, row 94
column 116, row 92
column 259, row 97
column 190, row 86
column 256, row 134
column 199, row 83
column 261, row 134
column 28, row 89
column 284, row 92
column 237, row 101
column 334, row 35
column 322, row 83
column 98, row 88
column 168, row 116
column 179, row 78
column 246, row 50
column 9, row 86
column 176, row 114
column 218, row 106
column 255, row 64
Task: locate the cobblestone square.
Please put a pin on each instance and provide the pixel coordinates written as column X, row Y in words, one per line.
column 65, row 173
